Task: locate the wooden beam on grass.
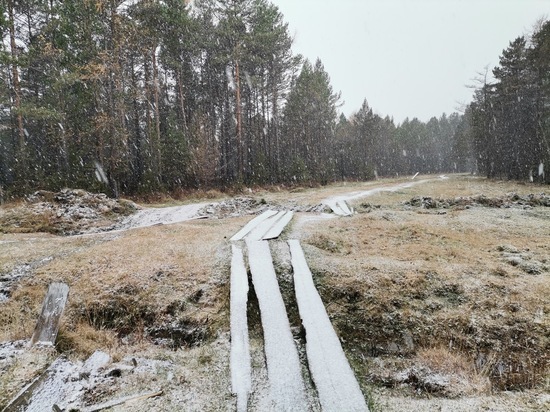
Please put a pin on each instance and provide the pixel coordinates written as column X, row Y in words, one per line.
column 125, row 400
column 47, row 325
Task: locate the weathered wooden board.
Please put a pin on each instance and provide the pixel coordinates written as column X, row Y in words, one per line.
column 334, row 379
column 260, row 230
column 47, row 325
column 252, row 224
column 286, row 386
column 339, row 206
column 345, row 208
column 121, row 401
column 241, row 375
column 276, row 230
column 22, row 399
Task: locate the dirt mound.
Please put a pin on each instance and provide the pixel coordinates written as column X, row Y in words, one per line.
column 506, row 201
column 68, row 212
column 241, row 206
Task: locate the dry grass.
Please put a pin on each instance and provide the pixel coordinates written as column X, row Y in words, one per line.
column 405, row 287
column 465, row 379
column 149, row 290
column 123, row 286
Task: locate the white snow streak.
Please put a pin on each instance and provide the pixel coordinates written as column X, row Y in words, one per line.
column 283, row 365
column 164, row 216
column 336, row 384
column 57, row 388
column 241, row 380
column 335, row 202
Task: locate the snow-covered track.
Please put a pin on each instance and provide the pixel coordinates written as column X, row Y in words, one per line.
column 334, row 379
column 287, row 389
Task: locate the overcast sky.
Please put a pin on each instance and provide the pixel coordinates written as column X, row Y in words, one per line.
column 408, row 58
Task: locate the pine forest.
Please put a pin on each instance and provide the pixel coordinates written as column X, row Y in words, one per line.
column 137, row 97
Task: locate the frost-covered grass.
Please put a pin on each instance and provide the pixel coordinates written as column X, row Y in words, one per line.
column 162, row 287
column 410, row 291
column 459, row 293
column 124, row 283
column 18, row 219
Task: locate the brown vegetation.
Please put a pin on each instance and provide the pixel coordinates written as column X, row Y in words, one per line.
column 405, row 283
column 446, row 301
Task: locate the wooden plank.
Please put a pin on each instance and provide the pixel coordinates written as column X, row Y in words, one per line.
column 338, row 206
column 260, row 230
column 241, row 375
column 286, row 387
column 252, row 224
column 334, row 379
column 47, row 325
column 22, row 399
column 126, row 400
column 276, row 230
column 344, row 207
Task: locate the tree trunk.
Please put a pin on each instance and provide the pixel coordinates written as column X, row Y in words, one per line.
column 181, row 100
column 158, row 165
column 238, row 112
column 138, row 167
column 21, row 142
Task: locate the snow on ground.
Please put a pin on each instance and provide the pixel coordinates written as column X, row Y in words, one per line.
column 10, row 279
column 71, row 385
column 163, row 216
column 303, row 219
column 335, row 382
column 58, row 387
column 9, row 351
column 287, row 389
column 338, row 203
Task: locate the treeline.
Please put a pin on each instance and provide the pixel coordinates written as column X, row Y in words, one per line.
column 142, row 96
column 368, row 146
column 508, row 122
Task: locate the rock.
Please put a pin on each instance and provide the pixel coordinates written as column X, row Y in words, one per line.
column 508, row 249
column 95, row 362
column 423, row 379
column 532, row 268
column 525, row 202
column 514, row 260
